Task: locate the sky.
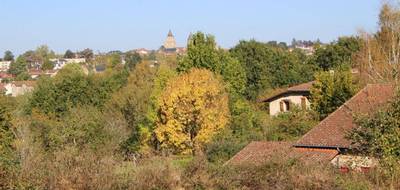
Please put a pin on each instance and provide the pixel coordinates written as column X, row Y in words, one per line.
column 105, row 25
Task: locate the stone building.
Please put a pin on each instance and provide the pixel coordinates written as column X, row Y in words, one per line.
column 170, row 43
column 285, row 99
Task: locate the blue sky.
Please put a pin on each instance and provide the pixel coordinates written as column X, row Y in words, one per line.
column 104, row 25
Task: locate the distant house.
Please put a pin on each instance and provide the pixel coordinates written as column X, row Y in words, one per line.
column 17, row 88
column 4, row 66
column 327, row 141
column 142, row 51
column 181, row 50
column 36, row 73
column 283, row 100
column 308, row 50
column 60, row 63
column 5, row 76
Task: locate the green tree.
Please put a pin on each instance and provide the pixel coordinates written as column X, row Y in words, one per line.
column 19, row 68
column 47, row 65
column 69, row 54
column 71, row 87
column 8, row 56
column 233, row 74
column 44, row 52
column 193, row 108
column 113, row 60
column 8, row 158
column 378, row 135
column 87, row 54
column 337, row 54
column 131, row 60
column 203, row 53
column 331, row 90
column 132, row 103
column 255, row 57
column 291, row 125
column 268, row 67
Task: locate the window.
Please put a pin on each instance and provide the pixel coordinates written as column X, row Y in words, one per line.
column 282, row 106
column 287, row 104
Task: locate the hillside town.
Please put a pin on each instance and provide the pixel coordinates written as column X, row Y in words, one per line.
column 194, row 114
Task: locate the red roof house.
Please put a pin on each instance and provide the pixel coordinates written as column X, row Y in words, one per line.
column 328, row 139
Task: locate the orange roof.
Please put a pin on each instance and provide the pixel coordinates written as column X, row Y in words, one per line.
column 331, row 132
column 27, row 83
column 259, row 152
column 302, row 87
column 6, row 75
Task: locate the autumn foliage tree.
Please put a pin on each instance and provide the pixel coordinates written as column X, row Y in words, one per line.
column 193, row 108
column 379, row 58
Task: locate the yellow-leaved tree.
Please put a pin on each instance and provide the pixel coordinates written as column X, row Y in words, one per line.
column 193, row 108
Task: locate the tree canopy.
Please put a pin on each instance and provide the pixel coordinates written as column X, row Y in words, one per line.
column 131, row 60
column 193, row 108
column 69, row 54
column 337, row 54
column 269, row 67
column 331, row 90
column 8, row 56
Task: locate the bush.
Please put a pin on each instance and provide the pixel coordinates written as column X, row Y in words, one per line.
column 156, row 173
column 291, row 125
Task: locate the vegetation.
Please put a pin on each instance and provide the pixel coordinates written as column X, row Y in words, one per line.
column 19, row 68
column 378, row 57
column 337, row 54
column 271, row 67
column 132, row 59
column 8, row 56
column 194, row 107
column 331, row 90
column 378, row 135
column 172, row 122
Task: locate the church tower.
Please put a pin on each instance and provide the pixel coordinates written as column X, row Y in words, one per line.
column 170, row 42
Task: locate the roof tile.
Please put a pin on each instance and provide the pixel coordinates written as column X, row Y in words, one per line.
column 331, row 131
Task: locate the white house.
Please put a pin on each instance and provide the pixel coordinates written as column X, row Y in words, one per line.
column 284, row 100
column 142, row 51
column 35, row 73
column 17, row 88
column 4, row 66
column 60, row 63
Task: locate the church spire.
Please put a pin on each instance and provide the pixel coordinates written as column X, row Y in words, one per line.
column 170, row 34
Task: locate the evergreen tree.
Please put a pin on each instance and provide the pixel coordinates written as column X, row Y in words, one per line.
column 8, row 56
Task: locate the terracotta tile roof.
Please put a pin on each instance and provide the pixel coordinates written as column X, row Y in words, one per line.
column 260, row 152
column 303, row 88
column 314, row 154
column 332, row 130
column 27, row 83
column 6, row 75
